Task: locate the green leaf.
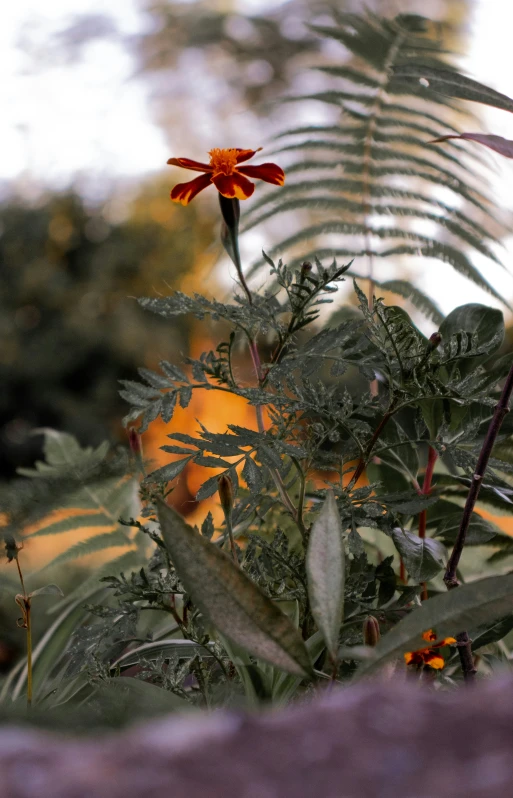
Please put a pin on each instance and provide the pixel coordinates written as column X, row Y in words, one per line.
column 487, row 324
column 252, row 677
column 122, row 695
column 423, row 557
column 453, row 84
column 491, row 634
column 325, row 570
column 468, row 606
column 252, row 475
column 229, row 599
column 480, row 531
column 168, row 472
column 286, row 685
column 47, row 590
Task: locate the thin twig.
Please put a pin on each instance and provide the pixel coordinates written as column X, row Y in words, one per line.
column 362, row 462
column 425, row 491
column 450, row 577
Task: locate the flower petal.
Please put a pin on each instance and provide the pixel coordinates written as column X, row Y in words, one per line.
column 245, row 155
column 434, row 661
column 269, row 172
column 186, row 163
column 233, row 186
column 185, row 192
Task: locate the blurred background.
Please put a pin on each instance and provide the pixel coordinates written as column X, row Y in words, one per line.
column 93, row 104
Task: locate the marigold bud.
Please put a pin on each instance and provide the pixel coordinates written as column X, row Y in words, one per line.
column 434, row 341
column 371, row 633
column 306, row 268
column 135, row 442
column 225, row 488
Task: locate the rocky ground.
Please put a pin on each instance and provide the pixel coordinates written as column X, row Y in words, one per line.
column 380, row 740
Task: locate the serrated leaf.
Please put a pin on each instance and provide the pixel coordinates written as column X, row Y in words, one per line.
column 468, row 606
column 167, row 472
column 252, row 475
column 208, row 488
column 423, row 558
column 229, row 599
column 325, row 570
column 486, row 323
column 207, row 527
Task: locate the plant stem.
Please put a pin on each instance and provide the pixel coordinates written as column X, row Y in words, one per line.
column 23, row 602
column 426, row 488
column 425, row 491
column 362, row 462
column 229, row 527
column 450, row 577
column 29, row 653
column 230, row 210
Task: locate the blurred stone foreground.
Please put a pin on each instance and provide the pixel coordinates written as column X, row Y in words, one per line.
column 379, row 740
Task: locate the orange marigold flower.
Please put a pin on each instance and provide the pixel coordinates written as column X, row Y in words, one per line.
column 429, row 656
column 230, row 179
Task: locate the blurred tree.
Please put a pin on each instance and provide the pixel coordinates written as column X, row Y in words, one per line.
column 69, row 326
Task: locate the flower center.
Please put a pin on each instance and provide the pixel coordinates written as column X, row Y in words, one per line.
column 223, row 161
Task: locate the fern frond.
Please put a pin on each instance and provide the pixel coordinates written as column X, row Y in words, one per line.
column 418, row 299
column 396, row 93
column 435, row 250
column 75, row 490
column 108, row 540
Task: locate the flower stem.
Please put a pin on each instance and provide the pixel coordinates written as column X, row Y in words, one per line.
column 230, row 209
column 450, row 577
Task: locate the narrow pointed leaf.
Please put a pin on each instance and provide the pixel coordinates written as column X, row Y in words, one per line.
column 453, row 85
column 229, row 599
column 496, row 143
column 325, row 569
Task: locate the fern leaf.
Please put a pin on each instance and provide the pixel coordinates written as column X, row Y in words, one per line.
column 72, row 523
column 91, row 546
column 453, row 84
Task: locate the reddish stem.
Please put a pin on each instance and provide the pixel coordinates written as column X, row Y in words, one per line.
column 426, row 488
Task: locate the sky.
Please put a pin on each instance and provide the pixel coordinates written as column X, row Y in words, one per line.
column 90, row 122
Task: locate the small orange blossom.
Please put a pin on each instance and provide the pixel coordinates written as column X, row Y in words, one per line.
column 230, row 179
column 429, row 656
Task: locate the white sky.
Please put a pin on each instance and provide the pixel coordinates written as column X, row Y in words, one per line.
column 91, row 123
